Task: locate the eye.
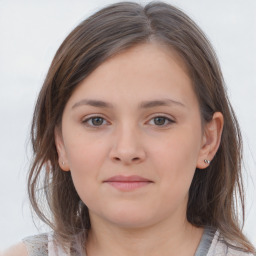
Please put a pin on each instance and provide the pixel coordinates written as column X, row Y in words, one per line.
column 160, row 121
column 95, row 121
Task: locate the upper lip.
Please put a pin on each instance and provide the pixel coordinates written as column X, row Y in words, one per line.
column 122, row 178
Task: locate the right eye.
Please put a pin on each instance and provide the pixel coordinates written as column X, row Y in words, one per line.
column 95, row 121
column 161, row 121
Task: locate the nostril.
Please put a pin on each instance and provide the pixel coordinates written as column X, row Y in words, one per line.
column 135, row 159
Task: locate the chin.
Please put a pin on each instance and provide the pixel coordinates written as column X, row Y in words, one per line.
column 130, row 219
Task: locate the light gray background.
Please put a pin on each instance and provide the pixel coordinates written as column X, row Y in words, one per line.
column 30, row 33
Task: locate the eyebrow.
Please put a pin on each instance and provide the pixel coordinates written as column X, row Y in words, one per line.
column 157, row 103
column 144, row 104
column 93, row 103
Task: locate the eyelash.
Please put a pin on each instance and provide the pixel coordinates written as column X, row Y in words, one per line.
column 89, row 119
column 167, row 121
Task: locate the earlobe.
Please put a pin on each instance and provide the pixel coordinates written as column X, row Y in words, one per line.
column 211, row 140
column 62, row 158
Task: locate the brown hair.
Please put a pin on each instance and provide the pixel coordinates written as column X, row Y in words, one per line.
column 213, row 193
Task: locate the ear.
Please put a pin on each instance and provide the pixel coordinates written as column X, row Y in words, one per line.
column 211, row 140
column 63, row 161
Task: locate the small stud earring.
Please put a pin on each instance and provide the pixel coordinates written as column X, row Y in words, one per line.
column 63, row 163
column 207, row 161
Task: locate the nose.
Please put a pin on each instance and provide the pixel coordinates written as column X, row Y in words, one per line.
column 127, row 147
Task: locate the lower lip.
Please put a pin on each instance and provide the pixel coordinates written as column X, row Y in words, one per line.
column 128, row 186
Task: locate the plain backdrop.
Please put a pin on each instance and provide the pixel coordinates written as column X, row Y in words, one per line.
column 31, row 32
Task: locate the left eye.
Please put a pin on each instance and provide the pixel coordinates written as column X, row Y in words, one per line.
column 160, row 121
column 95, row 121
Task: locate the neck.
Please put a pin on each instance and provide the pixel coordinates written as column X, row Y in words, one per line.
column 160, row 239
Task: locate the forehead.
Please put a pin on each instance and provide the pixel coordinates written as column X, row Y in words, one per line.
column 144, row 71
column 151, row 56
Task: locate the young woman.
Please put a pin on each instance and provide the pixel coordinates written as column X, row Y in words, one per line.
column 137, row 150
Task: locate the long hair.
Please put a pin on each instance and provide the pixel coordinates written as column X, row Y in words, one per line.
column 214, row 193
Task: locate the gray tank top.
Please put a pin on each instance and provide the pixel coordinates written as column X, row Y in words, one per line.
column 211, row 244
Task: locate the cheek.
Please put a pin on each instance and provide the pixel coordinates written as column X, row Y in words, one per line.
column 85, row 157
column 83, row 151
column 85, row 166
column 179, row 149
column 176, row 158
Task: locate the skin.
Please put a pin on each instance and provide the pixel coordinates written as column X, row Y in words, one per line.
column 15, row 250
column 127, row 139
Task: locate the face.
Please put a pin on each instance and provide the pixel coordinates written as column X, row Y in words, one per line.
column 131, row 137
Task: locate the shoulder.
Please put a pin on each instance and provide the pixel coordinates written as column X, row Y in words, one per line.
column 37, row 245
column 222, row 247
column 16, row 250
column 30, row 246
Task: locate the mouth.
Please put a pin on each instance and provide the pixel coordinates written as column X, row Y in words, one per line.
column 128, row 183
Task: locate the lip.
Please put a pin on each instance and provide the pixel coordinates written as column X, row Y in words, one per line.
column 121, row 178
column 127, row 183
